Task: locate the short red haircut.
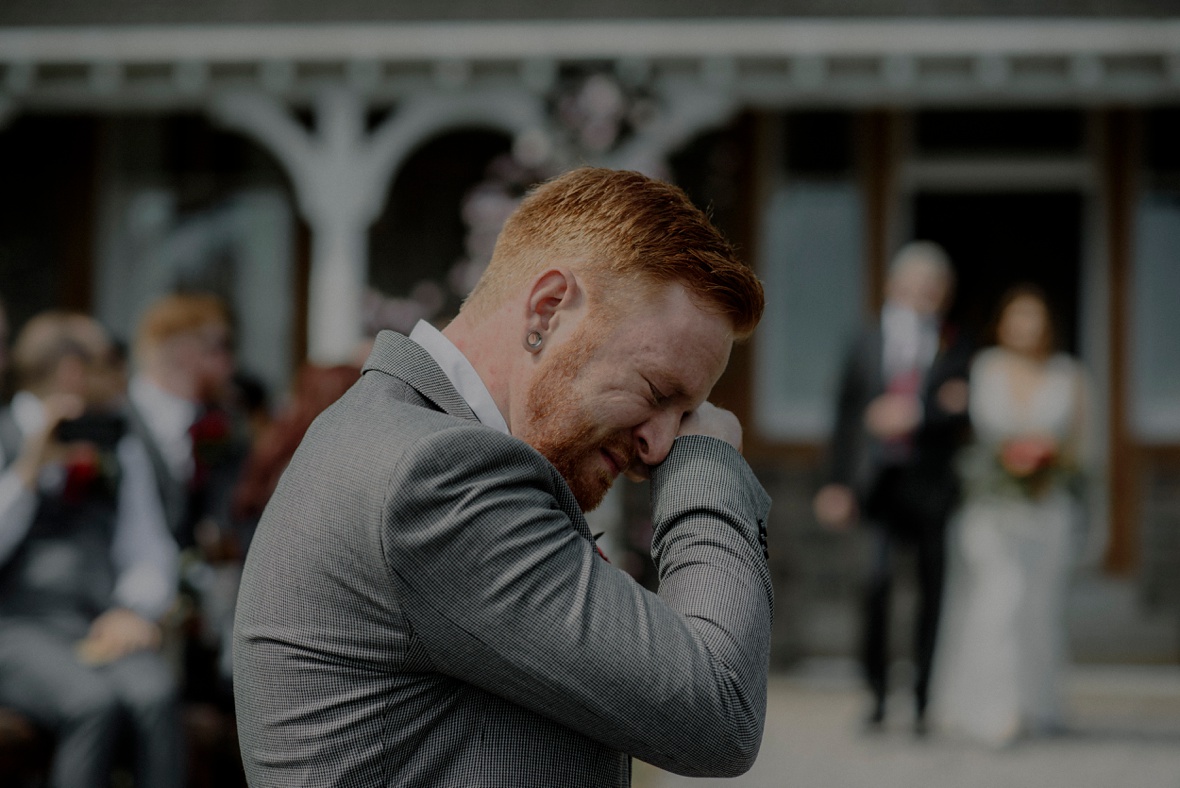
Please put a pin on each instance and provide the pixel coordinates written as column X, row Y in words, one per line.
column 624, row 232
column 178, row 314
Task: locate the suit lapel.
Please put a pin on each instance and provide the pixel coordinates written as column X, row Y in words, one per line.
column 401, row 357
column 406, row 360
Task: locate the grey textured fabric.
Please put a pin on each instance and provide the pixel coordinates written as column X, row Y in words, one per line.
column 423, row 606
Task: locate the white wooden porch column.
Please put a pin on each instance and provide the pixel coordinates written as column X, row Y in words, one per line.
column 341, row 175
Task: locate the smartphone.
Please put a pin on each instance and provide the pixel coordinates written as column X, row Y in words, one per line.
column 102, row 429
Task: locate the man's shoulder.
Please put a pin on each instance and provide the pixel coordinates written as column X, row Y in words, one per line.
column 392, row 411
column 453, row 450
column 957, row 349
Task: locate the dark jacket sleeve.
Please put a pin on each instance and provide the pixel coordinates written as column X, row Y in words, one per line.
column 847, row 444
column 943, row 431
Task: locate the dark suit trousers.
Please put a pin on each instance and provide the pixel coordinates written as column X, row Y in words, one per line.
column 87, row 708
column 903, row 520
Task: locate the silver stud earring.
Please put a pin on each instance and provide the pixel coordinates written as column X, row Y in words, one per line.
column 532, row 341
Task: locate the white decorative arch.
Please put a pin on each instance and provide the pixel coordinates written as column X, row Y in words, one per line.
column 341, row 175
column 687, row 111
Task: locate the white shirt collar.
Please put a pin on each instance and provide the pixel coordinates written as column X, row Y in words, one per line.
column 168, row 418
column 461, row 374
column 904, row 318
column 160, row 408
column 910, row 339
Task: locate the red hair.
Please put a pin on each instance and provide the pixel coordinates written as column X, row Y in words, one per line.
column 621, row 230
column 176, row 314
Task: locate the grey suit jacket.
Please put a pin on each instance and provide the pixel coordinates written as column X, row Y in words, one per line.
column 422, row 605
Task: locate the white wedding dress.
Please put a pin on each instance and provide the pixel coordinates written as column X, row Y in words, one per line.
column 1001, row 652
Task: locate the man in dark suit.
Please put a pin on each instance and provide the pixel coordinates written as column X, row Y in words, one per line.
column 423, row 603
column 901, row 416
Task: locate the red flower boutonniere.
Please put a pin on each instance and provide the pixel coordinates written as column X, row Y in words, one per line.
column 89, row 472
column 212, row 428
column 212, row 437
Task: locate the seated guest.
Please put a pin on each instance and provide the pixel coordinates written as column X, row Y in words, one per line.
column 182, row 407
column 87, row 566
column 184, row 369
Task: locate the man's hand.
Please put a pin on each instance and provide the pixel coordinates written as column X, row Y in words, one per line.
column 708, row 420
column 115, row 634
column 835, row 506
column 41, row 447
column 953, row 396
column 892, row 416
column 714, row 422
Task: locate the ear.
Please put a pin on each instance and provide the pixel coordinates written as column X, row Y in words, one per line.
column 554, row 291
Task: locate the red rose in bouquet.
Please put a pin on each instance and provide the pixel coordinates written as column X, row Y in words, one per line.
column 1031, row 461
column 1025, row 456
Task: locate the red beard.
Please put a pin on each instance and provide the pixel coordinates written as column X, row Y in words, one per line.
column 566, row 434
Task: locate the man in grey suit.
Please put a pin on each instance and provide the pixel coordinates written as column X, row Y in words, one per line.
column 423, row 603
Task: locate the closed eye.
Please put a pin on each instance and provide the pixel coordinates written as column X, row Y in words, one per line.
column 657, row 396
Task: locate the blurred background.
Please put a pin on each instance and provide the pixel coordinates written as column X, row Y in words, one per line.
column 331, row 169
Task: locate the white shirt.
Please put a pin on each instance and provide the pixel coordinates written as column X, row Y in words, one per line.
column 461, row 374
column 910, row 341
column 168, row 418
column 144, row 554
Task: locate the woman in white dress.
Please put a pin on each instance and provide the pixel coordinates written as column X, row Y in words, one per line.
column 1001, row 654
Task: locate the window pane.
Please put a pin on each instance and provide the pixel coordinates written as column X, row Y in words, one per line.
column 811, row 266
column 1155, row 323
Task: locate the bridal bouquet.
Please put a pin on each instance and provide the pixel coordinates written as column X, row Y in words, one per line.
column 1031, row 461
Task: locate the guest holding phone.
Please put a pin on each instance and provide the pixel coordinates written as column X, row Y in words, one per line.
column 87, row 566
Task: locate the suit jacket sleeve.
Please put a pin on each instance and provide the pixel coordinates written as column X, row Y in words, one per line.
column 848, row 432
column 506, row 594
column 943, row 431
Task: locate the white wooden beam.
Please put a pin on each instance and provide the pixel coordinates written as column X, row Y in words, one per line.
column 432, row 41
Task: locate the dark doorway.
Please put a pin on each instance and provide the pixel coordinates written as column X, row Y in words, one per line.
column 47, row 168
column 997, row 239
column 421, row 232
